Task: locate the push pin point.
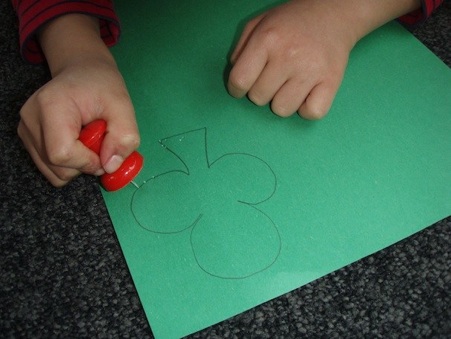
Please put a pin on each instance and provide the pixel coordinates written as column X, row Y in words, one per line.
column 92, row 136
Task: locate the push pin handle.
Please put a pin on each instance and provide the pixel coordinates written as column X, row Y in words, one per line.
column 92, row 136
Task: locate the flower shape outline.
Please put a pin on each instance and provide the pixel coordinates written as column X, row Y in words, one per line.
column 217, row 202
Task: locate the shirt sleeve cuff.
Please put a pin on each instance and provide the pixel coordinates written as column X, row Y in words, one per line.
column 415, row 18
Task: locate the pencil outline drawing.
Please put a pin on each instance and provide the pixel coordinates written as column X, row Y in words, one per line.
column 197, row 161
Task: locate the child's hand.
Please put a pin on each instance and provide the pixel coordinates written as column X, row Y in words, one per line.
column 52, row 117
column 295, row 55
column 86, row 86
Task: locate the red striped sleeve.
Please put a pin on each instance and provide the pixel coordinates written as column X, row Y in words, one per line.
column 420, row 15
column 35, row 13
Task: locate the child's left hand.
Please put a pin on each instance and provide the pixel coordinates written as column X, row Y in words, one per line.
column 295, row 56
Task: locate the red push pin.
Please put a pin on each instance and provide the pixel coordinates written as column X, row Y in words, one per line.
column 92, row 136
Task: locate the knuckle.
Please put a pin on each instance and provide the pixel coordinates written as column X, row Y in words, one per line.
column 257, row 98
column 61, row 181
column 59, row 156
column 130, row 141
column 281, row 110
column 44, row 97
column 62, row 177
column 238, row 82
column 270, row 36
column 312, row 113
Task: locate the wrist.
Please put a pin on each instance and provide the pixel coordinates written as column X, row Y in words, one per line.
column 72, row 38
column 366, row 16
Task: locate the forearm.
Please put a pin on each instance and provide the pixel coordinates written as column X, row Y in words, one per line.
column 70, row 38
column 34, row 14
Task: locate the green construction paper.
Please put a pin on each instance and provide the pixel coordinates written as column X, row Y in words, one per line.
column 237, row 206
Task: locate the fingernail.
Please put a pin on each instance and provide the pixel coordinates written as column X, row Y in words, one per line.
column 113, row 163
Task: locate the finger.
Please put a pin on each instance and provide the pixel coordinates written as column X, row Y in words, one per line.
column 245, row 35
column 247, row 69
column 268, row 83
column 58, row 177
column 289, row 97
column 122, row 136
column 317, row 104
column 60, row 145
column 66, row 161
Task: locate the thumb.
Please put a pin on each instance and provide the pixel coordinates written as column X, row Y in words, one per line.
column 121, row 138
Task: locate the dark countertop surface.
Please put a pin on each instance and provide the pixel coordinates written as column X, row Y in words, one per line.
column 62, row 273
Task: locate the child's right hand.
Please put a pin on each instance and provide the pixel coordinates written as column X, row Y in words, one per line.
column 52, row 118
column 86, row 86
